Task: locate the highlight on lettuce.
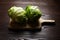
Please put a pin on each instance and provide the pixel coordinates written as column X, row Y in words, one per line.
column 17, row 14
column 33, row 12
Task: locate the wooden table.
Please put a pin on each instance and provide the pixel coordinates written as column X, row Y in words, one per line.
column 50, row 10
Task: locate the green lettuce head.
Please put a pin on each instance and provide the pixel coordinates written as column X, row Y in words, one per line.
column 17, row 14
column 33, row 12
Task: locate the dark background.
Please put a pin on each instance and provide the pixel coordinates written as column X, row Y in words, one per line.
column 49, row 8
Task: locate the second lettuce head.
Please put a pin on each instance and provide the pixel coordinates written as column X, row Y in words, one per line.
column 19, row 15
column 33, row 13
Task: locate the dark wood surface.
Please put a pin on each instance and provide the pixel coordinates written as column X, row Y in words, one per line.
column 50, row 10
